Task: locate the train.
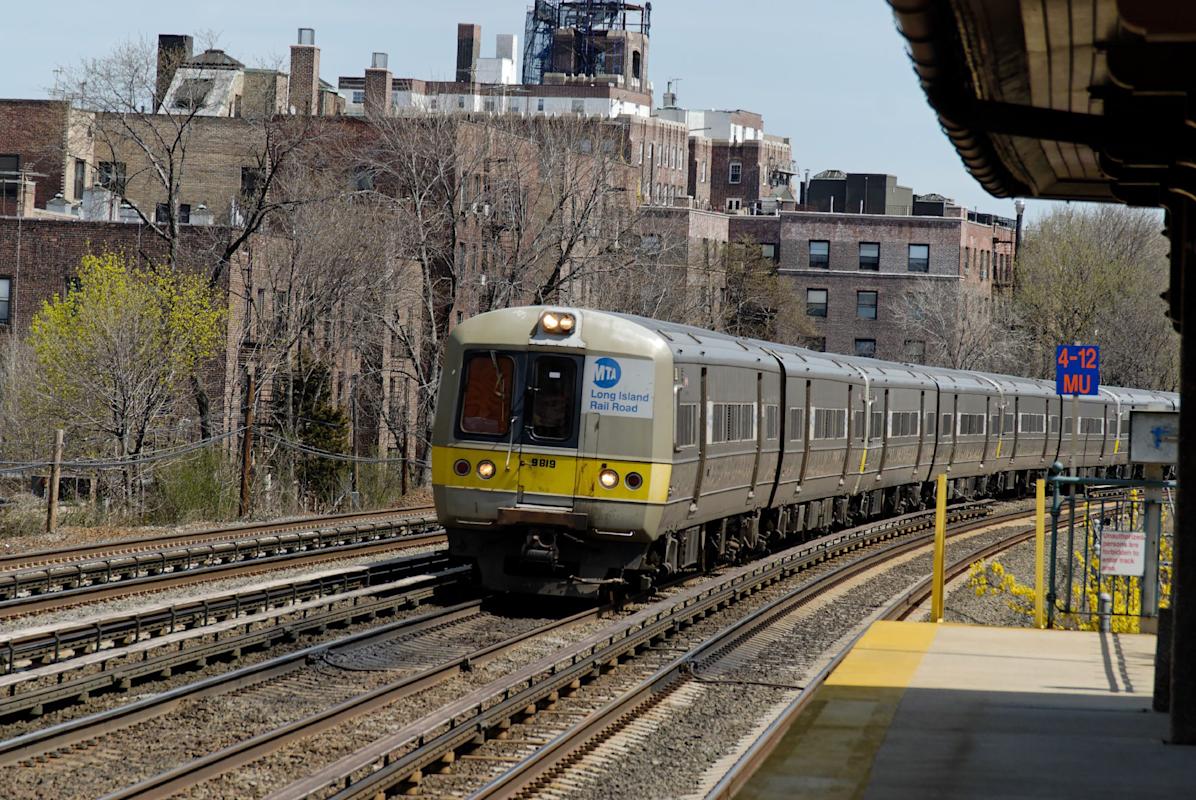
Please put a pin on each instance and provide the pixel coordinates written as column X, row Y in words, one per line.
column 584, row 453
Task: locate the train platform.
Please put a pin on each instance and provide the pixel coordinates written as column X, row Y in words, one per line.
column 951, row 711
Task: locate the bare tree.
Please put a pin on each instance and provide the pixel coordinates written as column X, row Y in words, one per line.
column 1093, row 275
column 758, row 302
column 950, row 323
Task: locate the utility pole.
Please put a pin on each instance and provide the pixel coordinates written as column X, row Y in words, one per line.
column 52, row 489
column 247, row 446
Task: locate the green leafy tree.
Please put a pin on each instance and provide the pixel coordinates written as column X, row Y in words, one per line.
column 114, row 353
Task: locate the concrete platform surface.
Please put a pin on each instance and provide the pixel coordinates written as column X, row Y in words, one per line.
column 918, row 710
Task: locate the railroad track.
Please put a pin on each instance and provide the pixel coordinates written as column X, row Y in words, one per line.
column 602, row 735
column 74, row 743
column 115, row 654
column 402, row 761
column 413, row 655
column 424, row 532
column 118, row 547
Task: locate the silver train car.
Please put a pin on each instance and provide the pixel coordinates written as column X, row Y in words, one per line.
column 579, row 452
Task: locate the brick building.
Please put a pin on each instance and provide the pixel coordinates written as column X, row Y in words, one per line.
column 851, row 269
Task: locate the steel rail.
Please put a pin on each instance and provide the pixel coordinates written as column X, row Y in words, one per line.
column 113, row 547
column 153, row 583
column 192, row 773
column 46, row 579
column 48, row 645
column 79, row 730
column 399, row 759
column 121, row 677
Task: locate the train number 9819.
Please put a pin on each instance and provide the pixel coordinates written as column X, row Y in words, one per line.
column 547, row 463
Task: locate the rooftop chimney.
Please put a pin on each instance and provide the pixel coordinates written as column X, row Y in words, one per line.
column 377, row 86
column 469, row 50
column 504, row 46
column 305, row 73
column 173, row 50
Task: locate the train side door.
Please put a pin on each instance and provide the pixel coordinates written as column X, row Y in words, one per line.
column 549, row 445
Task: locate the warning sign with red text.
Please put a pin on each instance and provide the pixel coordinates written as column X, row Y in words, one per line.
column 1122, row 552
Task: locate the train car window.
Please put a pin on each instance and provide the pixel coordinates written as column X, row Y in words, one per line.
column 877, row 430
column 1067, row 426
column 796, row 429
column 947, row 426
column 552, row 403
column 486, row 400
column 772, row 420
column 930, row 420
column 1094, row 426
column 971, row 424
column 1032, row 423
column 830, row 423
column 857, row 425
column 1008, row 428
column 1054, row 424
column 904, row 423
column 687, row 425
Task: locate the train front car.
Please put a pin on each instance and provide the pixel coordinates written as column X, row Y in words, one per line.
column 551, row 448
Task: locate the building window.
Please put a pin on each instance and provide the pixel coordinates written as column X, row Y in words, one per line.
column 251, row 181
column 161, row 213
column 865, row 305
column 820, row 254
column 112, row 176
column 10, row 173
column 736, row 172
column 816, row 343
column 540, row 104
column 816, row 302
column 461, row 101
column 637, row 64
column 359, row 96
column 865, row 347
column 640, row 158
column 769, row 251
column 915, row 351
column 80, row 177
column 5, row 301
column 579, row 106
column 919, row 258
column 702, row 172
column 870, row 256
column 734, row 203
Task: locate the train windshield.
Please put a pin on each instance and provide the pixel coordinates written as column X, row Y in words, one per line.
column 486, row 400
column 552, row 410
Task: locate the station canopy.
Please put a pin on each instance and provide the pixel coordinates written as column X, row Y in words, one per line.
column 1063, row 99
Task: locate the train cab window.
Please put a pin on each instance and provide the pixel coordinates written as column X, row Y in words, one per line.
column 552, row 399
column 486, row 399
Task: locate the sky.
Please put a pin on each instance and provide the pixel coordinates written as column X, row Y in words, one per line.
column 832, row 75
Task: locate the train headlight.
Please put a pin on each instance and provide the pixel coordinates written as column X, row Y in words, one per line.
column 633, row 481
column 461, row 467
column 486, row 470
column 608, row 478
column 557, row 324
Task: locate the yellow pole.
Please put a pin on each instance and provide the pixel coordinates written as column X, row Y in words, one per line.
column 1039, row 554
column 940, row 544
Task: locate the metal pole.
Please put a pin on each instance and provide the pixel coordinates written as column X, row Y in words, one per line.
column 52, row 488
column 1056, row 504
column 247, row 447
column 1153, row 525
column 1039, row 547
column 940, row 543
column 1183, row 570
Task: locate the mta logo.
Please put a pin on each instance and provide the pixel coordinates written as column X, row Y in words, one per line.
column 607, row 373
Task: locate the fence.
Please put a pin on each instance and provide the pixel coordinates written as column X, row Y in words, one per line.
column 1110, row 559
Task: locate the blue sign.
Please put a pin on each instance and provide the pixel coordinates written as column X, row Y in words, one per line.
column 1077, row 369
column 607, row 373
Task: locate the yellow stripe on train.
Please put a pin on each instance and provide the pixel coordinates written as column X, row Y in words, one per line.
column 549, row 473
